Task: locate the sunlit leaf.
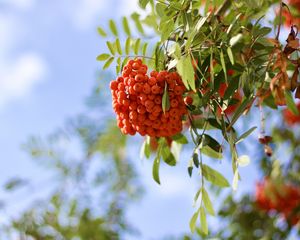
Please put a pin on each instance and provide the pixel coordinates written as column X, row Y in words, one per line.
column 101, row 32
column 113, row 27
column 126, row 26
column 207, row 203
column 204, row 226
column 108, row 62
column 193, row 221
column 155, row 169
column 111, row 47
column 214, row 176
column 103, row 57
column 118, row 46
column 245, row 135
column 186, row 71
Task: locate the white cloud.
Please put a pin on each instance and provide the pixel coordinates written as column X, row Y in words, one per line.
column 84, row 13
column 18, row 72
column 18, row 78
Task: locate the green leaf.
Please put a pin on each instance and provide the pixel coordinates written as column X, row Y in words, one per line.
column 126, row 26
column 113, row 27
column 118, row 67
column 147, row 147
column 223, row 66
column 180, row 138
column 111, row 47
column 165, row 100
column 211, row 142
column 208, row 151
column 118, row 46
column 103, row 57
column 204, row 227
column 240, row 110
column 108, row 62
column 243, row 160
column 214, row 176
column 230, row 55
column 160, row 9
column 137, row 46
column 186, row 71
column 190, row 168
column 143, row 3
column 193, row 221
column 235, row 180
column 166, row 29
column 101, row 32
column 244, row 135
column 144, row 49
column 127, row 46
column 155, row 169
column 207, row 203
column 136, row 18
column 196, row 159
column 290, row 102
column 167, row 156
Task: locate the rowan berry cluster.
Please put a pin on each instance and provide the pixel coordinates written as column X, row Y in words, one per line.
column 283, row 198
column 137, row 101
column 290, row 118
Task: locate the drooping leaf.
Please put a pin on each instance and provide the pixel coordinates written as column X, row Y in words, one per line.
column 196, row 159
column 204, row 226
column 193, row 221
column 214, row 176
column 167, row 155
column 155, row 169
column 207, row 203
column 190, row 168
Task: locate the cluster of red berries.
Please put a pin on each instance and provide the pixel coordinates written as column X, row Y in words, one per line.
column 137, row 101
column 290, row 118
column 283, row 198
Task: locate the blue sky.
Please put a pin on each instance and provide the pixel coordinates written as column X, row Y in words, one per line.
column 47, row 69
